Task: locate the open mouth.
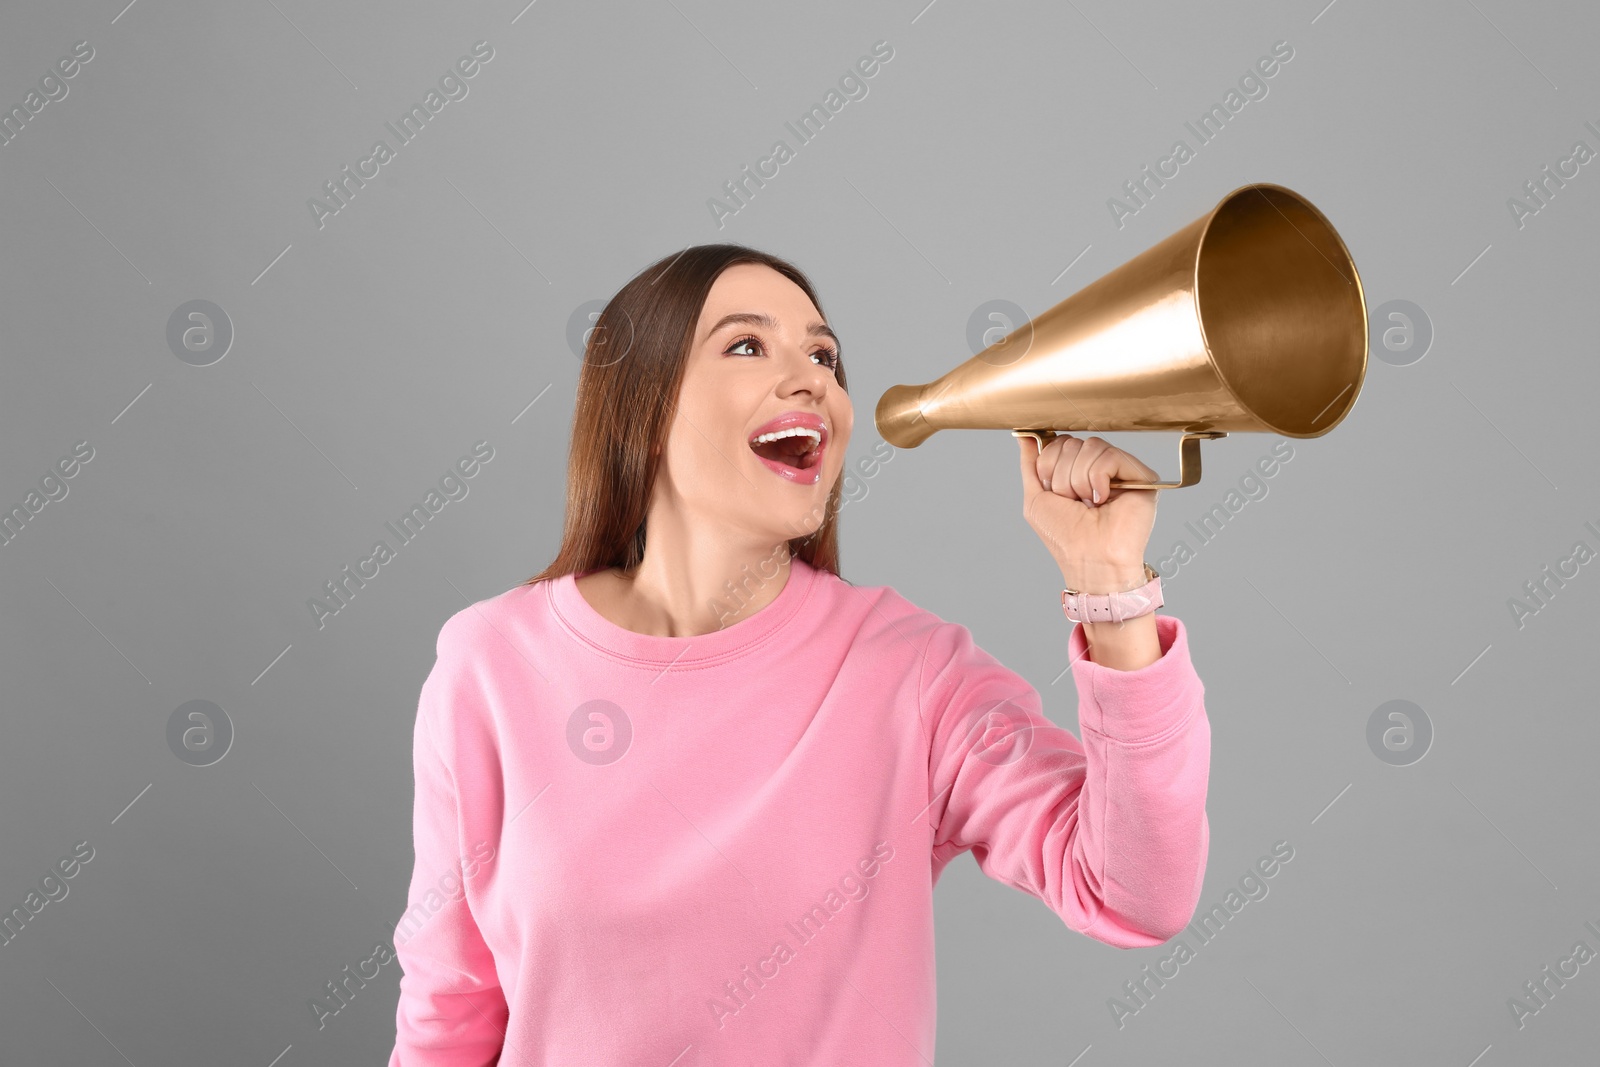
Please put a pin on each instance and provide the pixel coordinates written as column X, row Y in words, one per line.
column 795, row 452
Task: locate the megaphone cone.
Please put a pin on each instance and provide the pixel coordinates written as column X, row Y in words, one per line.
column 1250, row 319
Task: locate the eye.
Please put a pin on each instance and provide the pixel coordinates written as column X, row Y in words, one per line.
column 830, row 356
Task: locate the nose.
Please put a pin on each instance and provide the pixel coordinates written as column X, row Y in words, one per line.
column 807, row 375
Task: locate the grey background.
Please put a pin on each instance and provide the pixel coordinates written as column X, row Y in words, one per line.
column 434, row 309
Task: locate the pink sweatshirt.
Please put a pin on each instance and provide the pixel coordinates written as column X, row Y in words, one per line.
column 722, row 849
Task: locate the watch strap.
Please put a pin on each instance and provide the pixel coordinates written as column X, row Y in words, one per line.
column 1114, row 607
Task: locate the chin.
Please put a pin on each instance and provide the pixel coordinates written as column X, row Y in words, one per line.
column 805, row 522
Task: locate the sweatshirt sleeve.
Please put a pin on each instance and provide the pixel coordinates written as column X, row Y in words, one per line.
column 1110, row 833
column 452, row 1012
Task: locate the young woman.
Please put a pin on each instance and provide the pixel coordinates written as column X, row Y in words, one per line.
column 682, row 797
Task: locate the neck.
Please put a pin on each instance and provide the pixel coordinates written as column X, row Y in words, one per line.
column 698, row 576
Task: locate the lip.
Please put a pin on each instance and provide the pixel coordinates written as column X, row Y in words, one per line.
column 812, row 474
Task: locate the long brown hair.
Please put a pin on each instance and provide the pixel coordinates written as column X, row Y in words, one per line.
column 633, row 364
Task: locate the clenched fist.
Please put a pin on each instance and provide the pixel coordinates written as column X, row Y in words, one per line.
column 1096, row 534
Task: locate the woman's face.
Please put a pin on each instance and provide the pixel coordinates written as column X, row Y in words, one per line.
column 745, row 378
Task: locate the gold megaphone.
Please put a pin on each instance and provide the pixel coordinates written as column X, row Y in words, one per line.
column 1248, row 319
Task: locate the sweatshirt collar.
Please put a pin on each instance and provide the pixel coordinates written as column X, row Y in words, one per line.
column 579, row 618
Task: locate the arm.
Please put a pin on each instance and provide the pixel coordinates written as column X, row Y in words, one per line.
column 1111, row 833
column 452, row 1012
column 1126, row 645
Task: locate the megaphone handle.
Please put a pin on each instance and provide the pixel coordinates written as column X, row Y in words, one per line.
column 1188, row 457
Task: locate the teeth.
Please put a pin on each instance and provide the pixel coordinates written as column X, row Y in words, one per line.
column 793, row 431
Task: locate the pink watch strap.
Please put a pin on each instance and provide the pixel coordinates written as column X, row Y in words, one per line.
column 1114, row 607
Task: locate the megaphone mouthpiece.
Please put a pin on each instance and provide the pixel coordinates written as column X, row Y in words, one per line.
column 899, row 417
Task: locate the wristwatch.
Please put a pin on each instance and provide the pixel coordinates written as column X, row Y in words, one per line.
column 1114, row 607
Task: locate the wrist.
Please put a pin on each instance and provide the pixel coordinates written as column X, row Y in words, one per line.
column 1123, row 646
column 1103, row 576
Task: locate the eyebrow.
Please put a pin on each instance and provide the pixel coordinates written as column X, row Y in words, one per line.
column 749, row 318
